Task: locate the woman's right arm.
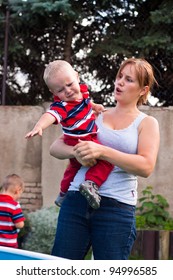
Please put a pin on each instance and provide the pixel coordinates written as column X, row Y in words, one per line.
column 61, row 150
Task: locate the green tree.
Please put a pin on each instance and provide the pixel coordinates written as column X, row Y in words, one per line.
column 141, row 29
column 95, row 36
column 34, row 36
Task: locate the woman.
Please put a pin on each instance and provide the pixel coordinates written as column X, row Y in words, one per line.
column 130, row 141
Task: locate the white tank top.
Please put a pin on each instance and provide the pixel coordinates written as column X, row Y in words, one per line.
column 119, row 185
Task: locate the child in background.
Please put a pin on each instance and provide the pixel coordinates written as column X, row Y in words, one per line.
column 73, row 109
column 11, row 216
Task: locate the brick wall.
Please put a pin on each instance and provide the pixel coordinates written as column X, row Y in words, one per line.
column 31, row 199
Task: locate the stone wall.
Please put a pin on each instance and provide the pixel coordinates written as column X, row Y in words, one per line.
column 162, row 177
column 19, row 155
column 42, row 173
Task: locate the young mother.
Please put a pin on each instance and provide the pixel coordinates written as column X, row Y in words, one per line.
column 130, row 141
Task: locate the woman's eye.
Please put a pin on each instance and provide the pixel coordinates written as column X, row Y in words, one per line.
column 129, row 80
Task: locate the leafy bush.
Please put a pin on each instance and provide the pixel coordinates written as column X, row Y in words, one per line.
column 41, row 236
column 152, row 211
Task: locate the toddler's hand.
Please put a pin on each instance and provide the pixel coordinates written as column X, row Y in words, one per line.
column 98, row 108
column 34, row 132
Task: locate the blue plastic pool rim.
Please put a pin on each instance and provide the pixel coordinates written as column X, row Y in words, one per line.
column 7, row 253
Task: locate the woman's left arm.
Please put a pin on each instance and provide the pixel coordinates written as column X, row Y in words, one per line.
column 141, row 164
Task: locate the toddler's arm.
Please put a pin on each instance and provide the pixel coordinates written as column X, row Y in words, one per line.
column 45, row 121
column 19, row 225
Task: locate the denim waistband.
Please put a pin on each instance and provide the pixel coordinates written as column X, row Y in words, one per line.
column 112, row 202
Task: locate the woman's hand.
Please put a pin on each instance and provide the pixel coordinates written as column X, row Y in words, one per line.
column 88, row 150
column 62, row 151
column 87, row 163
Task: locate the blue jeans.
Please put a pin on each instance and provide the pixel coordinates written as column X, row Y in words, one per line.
column 110, row 230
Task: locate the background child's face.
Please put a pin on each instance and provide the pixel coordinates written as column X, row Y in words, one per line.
column 65, row 85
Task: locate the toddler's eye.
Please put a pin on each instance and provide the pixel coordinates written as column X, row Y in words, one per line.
column 60, row 90
column 70, row 84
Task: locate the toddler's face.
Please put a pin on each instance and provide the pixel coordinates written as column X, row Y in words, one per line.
column 65, row 85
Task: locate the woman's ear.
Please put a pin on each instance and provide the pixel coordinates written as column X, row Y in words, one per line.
column 144, row 91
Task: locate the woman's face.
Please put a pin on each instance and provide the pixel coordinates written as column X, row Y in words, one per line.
column 127, row 88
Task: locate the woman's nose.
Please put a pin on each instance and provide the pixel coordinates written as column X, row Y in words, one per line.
column 120, row 81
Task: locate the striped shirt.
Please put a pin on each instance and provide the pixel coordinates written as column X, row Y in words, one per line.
column 10, row 214
column 76, row 117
